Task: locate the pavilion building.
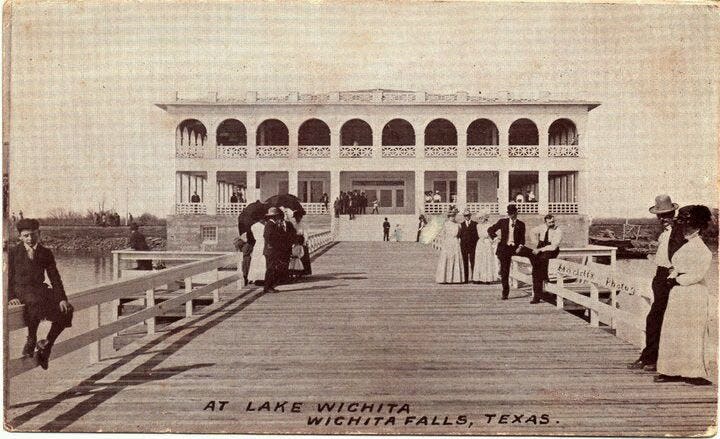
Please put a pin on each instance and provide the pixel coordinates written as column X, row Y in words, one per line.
column 476, row 152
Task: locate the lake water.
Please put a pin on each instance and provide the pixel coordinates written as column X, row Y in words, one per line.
column 80, row 271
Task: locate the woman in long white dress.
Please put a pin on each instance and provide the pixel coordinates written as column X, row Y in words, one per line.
column 686, row 323
column 450, row 265
column 257, row 260
column 487, row 267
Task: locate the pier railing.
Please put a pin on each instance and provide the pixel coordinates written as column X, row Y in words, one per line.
column 142, row 286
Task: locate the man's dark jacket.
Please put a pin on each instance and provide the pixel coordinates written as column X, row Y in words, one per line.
column 26, row 278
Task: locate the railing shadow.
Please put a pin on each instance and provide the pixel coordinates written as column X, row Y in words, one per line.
column 143, row 373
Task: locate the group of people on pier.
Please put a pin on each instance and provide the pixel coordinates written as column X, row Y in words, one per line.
column 473, row 252
column 353, row 203
column 275, row 249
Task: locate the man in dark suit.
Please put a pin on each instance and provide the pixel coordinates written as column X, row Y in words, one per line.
column 137, row 242
column 27, row 264
column 512, row 235
column 468, row 241
column 279, row 237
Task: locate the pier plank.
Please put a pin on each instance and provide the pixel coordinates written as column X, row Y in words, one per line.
column 371, row 326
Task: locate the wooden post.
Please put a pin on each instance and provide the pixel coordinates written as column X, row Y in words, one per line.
column 595, row 298
column 95, row 346
column 115, row 304
column 149, row 303
column 188, row 304
column 513, row 273
column 559, row 301
column 216, row 292
column 613, row 257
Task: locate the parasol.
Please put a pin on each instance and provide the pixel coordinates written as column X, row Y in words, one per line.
column 286, row 200
column 432, row 229
column 253, row 213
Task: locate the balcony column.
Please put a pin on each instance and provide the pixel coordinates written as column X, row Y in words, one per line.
column 211, row 141
column 250, row 183
column 543, row 195
column 251, row 139
column 293, row 142
column 543, row 129
column 503, row 190
column 293, row 182
column 334, row 187
column 420, row 191
column 419, row 144
column 335, row 143
column 461, row 189
column 210, row 194
column 503, row 140
column 377, row 142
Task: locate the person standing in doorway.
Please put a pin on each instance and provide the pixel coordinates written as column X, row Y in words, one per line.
column 512, row 235
column 386, row 230
column 376, row 205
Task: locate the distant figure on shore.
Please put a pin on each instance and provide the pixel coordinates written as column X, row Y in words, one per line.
column 548, row 237
column 28, row 263
column 681, row 355
column 20, row 215
column 137, row 242
column 386, row 230
column 450, row 265
column 130, row 218
column 195, row 198
column 13, row 218
column 512, row 235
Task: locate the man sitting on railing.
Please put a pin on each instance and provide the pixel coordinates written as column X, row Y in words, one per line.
column 27, row 264
column 548, row 237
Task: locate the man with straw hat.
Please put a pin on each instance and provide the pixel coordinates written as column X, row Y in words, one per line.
column 670, row 240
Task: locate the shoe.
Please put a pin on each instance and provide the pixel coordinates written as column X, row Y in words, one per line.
column 534, row 301
column 270, row 290
column 29, row 349
column 650, row 368
column 698, row 381
column 637, row 364
column 42, row 355
column 504, row 298
column 665, row 378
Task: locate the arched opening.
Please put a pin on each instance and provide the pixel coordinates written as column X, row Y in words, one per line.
column 272, row 132
column 562, row 132
column 440, row 132
column 231, row 132
column 482, row 132
column 314, row 132
column 523, row 132
column 398, row 132
column 356, row 132
column 190, row 132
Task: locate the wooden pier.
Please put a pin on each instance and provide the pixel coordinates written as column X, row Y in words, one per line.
column 369, row 326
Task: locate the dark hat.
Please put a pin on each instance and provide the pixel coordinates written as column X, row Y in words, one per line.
column 273, row 211
column 698, row 216
column 27, row 224
column 511, row 209
column 663, row 204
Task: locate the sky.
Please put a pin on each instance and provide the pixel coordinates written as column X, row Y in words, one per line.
column 85, row 76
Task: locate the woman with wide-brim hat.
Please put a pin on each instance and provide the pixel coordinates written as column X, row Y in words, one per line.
column 685, row 326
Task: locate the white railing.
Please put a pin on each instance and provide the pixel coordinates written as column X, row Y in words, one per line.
column 268, row 152
column 314, row 98
column 441, row 150
column 438, row 208
column 319, row 240
column 440, row 97
column 354, row 152
column 523, row 151
column 231, row 151
column 527, row 208
column 233, row 209
column 563, row 208
column 142, row 287
column 189, row 151
column 314, row 151
column 394, row 96
column 363, row 96
column 483, row 151
column 563, row 151
column 491, row 208
column 398, row 151
column 190, row 209
column 314, row 208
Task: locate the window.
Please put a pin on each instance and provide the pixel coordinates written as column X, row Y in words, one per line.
column 209, row 233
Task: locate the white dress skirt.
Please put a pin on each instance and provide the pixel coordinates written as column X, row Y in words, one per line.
column 487, row 266
column 450, row 265
column 257, row 261
column 686, row 322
